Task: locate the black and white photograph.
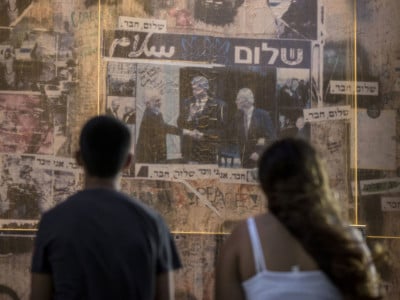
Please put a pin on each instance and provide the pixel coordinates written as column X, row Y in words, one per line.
column 293, row 96
column 201, row 121
column 205, row 87
column 11, row 10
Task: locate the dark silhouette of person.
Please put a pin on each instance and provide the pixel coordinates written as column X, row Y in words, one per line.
column 100, row 243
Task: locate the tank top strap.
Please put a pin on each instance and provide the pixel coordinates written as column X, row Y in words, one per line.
column 258, row 254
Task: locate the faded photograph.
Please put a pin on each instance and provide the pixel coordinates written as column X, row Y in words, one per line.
column 25, row 124
column 293, row 95
column 121, row 79
column 31, row 184
column 232, row 95
column 10, row 10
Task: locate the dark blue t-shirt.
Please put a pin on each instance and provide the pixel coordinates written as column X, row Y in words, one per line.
column 101, row 244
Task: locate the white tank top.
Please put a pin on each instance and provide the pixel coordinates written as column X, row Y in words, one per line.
column 296, row 285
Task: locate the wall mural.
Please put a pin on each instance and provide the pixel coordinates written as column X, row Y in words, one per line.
column 177, row 72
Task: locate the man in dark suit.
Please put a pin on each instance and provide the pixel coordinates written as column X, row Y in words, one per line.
column 204, row 115
column 254, row 129
column 151, row 144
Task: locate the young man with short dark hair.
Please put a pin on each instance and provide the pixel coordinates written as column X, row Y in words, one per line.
column 100, row 243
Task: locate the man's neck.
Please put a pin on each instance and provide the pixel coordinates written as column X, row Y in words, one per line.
column 92, row 182
column 248, row 110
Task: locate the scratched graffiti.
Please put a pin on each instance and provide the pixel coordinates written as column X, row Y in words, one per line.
column 198, row 253
column 331, row 140
column 204, row 205
column 15, row 261
column 82, row 18
column 153, row 76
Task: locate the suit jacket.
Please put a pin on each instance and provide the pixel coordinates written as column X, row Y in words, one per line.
column 211, row 122
column 152, row 144
column 261, row 132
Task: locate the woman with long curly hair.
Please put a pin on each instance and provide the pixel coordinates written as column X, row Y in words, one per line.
column 302, row 247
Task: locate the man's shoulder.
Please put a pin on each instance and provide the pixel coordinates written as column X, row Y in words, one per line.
column 65, row 208
column 89, row 197
column 61, row 213
column 76, row 208
column 140, row 206
column 65, row 204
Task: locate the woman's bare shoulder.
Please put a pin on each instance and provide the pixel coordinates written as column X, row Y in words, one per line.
column 238, row 232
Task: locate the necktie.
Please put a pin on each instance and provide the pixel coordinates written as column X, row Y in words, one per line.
column 246, row 126
column 198, row 105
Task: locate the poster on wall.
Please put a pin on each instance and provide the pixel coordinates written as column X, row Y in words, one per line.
column 32, row 184
column 38, row 81
column 212, row 101
column 23, row 126
column 191, row 162
column 258, row 18
column 11, row 11
column 381, row 129
column 121, row 98
column 179, row 77
column 182, row 80
column 210, row 95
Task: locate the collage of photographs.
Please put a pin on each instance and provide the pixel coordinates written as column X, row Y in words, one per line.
column 204, row 86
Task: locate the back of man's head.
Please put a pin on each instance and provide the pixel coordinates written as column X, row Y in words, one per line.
column 104, row 145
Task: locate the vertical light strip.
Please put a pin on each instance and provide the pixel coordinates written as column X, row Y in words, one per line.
column 355, row 116
column 98, row 57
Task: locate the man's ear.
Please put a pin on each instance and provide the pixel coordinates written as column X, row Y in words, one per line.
column 128, row 160
column 78, row 158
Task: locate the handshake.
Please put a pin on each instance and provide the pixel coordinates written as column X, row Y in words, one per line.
column 195, row 134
